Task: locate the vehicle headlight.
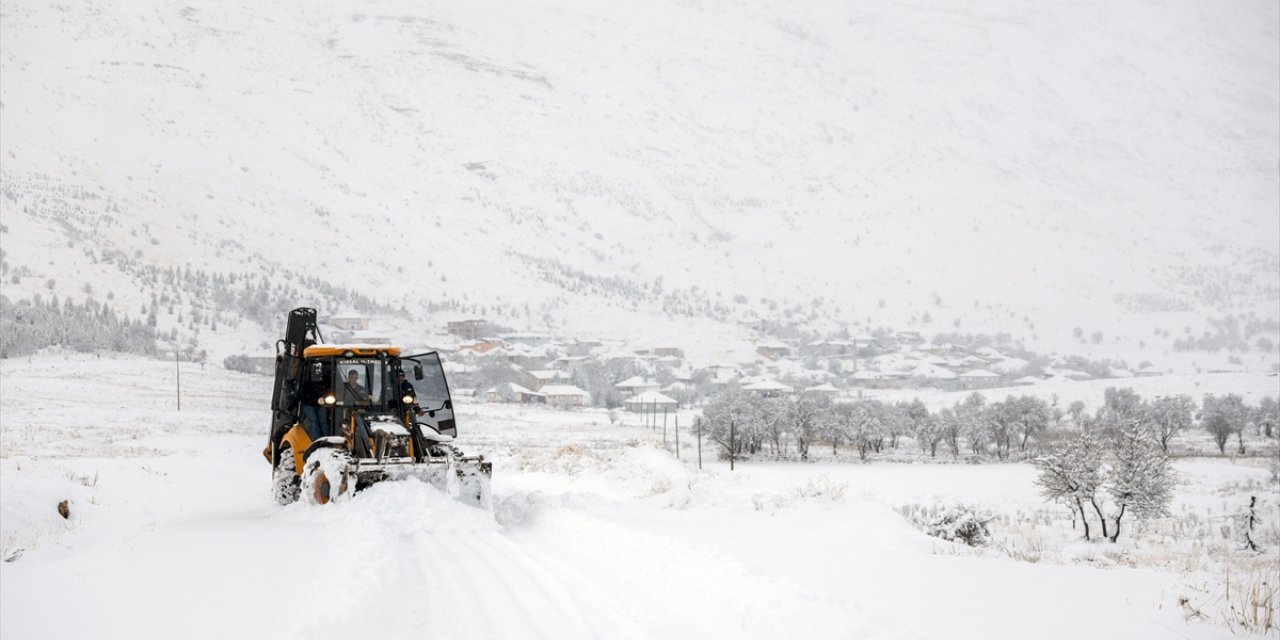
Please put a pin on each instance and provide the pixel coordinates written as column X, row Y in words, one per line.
column 330, row 399
column 408, row 399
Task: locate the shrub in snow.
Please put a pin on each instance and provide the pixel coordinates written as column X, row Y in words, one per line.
column 962, row 523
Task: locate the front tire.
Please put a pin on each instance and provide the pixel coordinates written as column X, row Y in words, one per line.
column 327, row 477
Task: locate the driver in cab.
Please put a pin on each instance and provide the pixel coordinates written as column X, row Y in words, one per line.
column 352, row 391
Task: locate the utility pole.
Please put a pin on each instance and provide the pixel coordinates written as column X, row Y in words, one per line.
column 698, row 423
column 177, row 370
column 677, row 436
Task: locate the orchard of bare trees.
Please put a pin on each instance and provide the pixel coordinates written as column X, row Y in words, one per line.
column 1016, row 428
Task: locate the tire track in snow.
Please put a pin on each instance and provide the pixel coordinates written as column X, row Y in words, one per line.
column 555, row 590
column 396, row 562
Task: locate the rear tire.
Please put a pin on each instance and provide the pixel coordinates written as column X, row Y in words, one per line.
column 327, row 477
column 286, row 484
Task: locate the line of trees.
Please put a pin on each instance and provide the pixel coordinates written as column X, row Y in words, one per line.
column 767, row 425
column 31, row 325
column 1014, row 427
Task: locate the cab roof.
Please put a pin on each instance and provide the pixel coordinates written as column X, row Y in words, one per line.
column 323, row 350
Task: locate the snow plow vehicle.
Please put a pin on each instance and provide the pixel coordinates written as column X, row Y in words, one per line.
column 346, row 416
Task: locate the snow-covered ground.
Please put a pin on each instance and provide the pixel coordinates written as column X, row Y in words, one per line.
column 597, row 531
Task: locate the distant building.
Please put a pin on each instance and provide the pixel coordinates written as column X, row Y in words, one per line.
column 635, row 386
column 980, row 379
column 530, row 339
column 512, row 392
column 468, row 329
column 536, row 380
column 565, row 395
column 825, row 390
column 880, row 379
column 370, row 336
column 651, row 402
column 773, row 349
column 349, row 321
column 483, row 346
column 768, row 388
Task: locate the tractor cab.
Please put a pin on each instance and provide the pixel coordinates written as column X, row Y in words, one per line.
column 367, row 390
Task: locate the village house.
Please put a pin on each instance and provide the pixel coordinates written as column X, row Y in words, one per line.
column 825, row 390
column 371, row 336
column 536, row 380
column 529, row 339
column 569, row 364
column 565, row 395
column 651, row 401
column 349, row 321
column 980, row 379
column 934, row 376
column 512, row 392
column 773, row 349
column 768, row 388
column 482, row 346
column 467, row 329
column 635, row 385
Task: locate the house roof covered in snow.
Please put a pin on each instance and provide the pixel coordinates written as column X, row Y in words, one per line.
column 650, row 398
column 636, row 382
column 933, row 372
column 563, row 390
column 979, row 373
column 823, row 388
column 766, row 385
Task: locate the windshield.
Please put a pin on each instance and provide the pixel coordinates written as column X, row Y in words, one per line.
column 359, row 382
column 432, row 392
column 432, row 389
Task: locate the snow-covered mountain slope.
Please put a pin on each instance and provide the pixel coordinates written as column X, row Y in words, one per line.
column 597, row 168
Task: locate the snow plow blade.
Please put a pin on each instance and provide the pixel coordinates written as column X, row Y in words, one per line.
column 465, row 479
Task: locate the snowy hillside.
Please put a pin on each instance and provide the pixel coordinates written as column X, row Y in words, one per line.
column 601, row 169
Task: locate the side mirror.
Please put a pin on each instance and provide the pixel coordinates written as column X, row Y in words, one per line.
column 417, row 372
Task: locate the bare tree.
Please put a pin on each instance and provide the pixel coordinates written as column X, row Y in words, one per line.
column 1267, row 417
column 1140, row 480
column 1120, row 406
column 839, row 425
column 807, row 416
column 868, row 425
column 1169, row 416
column 1033, row 417
column 1071, row 473
column 1223, row 417
column 951, row 426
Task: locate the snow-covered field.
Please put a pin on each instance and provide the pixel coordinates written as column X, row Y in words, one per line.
column 597, row 531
